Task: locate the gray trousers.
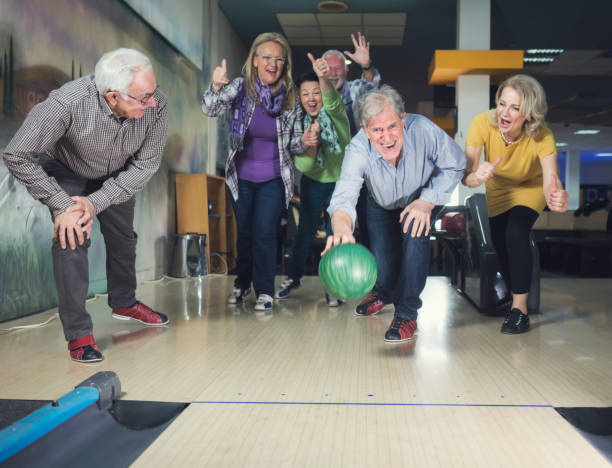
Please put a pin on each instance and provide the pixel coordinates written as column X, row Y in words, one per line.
column 71, row 267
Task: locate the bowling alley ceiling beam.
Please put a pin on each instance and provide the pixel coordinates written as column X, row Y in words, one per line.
column 447, row 65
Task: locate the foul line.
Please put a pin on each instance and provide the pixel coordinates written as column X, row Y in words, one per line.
column 324, row 403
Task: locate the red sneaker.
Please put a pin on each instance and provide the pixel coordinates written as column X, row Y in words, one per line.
column 370, row 305
column 401, row 330
column 84, row 349
column 141, row 313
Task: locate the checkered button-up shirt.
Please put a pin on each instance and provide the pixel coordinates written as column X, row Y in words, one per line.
column 75, row 126
column 351, row 92
column 288, row 127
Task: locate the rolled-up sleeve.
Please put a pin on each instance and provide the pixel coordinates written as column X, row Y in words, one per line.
column 450, row 161
column 347, row 189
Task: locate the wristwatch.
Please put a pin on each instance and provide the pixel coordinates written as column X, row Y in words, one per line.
column 369, row 67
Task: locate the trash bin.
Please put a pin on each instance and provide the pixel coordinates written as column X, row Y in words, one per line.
column 189, row 256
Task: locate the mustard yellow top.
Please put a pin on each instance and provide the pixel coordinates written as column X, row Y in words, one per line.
column 518, row 178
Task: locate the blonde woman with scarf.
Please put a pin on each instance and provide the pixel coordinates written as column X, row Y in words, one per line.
column 266, row 127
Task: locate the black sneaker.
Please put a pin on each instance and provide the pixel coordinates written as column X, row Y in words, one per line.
column 516, row 322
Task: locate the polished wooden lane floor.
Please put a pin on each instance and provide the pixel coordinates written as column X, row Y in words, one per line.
column 308, row 385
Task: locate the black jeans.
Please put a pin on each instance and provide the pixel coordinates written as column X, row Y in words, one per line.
column 71, row 267
column 510, row 232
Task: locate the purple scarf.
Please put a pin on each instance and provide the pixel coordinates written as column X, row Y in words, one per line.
column 269, row 103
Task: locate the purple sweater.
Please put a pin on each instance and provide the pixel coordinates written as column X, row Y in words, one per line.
column 259, row 160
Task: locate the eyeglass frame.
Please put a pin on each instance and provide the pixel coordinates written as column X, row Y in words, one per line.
column 144, row 101
column 268, row 58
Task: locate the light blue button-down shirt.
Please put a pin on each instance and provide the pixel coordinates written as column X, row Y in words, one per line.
column 431, row 164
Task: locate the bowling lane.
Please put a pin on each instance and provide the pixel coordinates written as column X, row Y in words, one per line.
column 308, row 352
column 305, row 351
column 230, row 435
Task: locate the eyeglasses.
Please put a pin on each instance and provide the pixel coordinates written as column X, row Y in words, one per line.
column 268, row 58
column 142, row 100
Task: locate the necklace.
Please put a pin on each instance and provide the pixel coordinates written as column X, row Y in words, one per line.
column 508, row 143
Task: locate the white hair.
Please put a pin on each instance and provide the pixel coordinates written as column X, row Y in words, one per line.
column 115, row 70
column 374, row 102
column 337, row 53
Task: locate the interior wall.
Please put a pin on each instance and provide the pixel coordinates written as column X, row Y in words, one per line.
column 50, row 43
column 223, row 43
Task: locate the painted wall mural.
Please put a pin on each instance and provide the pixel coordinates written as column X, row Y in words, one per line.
column 42, row 46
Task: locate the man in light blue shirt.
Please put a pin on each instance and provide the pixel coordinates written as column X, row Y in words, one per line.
column 410, row 166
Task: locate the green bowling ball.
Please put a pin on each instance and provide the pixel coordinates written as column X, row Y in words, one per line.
column 348, row 271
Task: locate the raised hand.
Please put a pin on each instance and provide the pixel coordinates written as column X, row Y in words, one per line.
column 220, row 76
column 558, row 199
column 486, row 170
column 361, row 55
column 319, row 66
column 420, row 212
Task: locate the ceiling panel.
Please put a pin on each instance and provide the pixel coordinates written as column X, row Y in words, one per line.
column 297, row 19
column 338, row 31
column 340, row 19
column 385, row 31
column 301, row 31
column 374, row 19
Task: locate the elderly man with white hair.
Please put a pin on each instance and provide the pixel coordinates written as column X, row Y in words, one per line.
column 85, row 151
column 352, row 90
column 410, row 166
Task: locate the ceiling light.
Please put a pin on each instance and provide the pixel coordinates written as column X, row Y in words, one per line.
column 332, row 6
column 603, row 155
column 544, row 51
column 586, row 132
column 538, row 59
column 560, row 144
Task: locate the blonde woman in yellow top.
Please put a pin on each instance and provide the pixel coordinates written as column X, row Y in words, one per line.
column 521, row 174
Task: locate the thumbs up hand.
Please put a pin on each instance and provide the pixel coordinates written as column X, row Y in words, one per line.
column 310, row 137
column 558, row 198
column 319, row 66
column 316, row 127
column 486, row 170
column 220, row 76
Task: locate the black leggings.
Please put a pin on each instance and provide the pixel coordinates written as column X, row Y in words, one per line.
column 510, row 231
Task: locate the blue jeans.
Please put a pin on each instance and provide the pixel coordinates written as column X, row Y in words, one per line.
column 314, row 198
column 402, row 260
column 258, row 210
